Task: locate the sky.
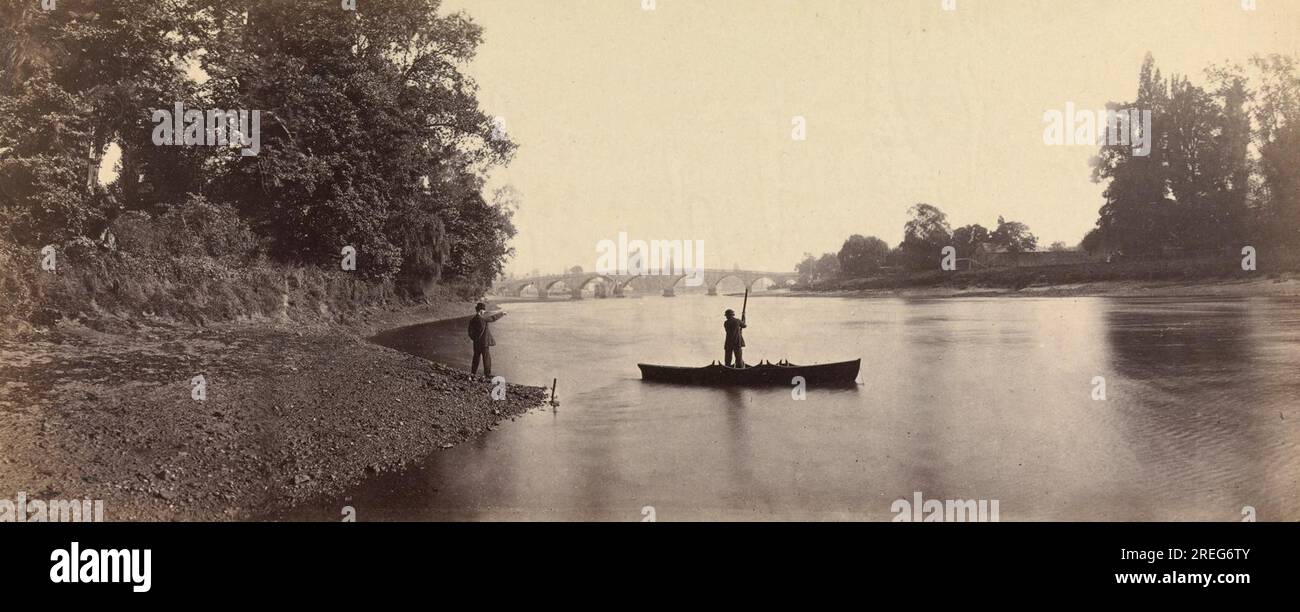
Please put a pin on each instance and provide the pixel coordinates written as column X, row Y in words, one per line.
column 677, row 123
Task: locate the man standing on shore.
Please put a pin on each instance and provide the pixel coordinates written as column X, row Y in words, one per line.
column 482, row 338
column 735, row 342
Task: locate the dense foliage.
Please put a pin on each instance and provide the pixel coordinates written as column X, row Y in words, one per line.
column 371, row 135
column 1222, row 169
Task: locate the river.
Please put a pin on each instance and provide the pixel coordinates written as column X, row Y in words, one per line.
column 979, row 399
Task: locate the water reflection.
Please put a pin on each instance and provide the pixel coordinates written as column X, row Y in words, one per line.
column 1208, row 341
column 1191, row 400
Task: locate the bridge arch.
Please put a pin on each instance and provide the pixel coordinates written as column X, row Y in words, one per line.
column 580, row 283
column 713, row 287
column 591, row 277
column 667, row 283
column 670, row 283
column 555, row 281
column 620, row 286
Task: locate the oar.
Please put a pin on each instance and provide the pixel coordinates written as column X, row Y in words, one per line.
column 746, row 304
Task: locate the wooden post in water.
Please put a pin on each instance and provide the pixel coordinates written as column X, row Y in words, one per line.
column 554, row 402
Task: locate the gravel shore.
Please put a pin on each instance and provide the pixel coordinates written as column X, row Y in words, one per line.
column 288, row 415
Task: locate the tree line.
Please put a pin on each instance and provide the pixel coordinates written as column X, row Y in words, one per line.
column 1221, row 174
column 1222, row 169
column 925, row 234
column 371, row 134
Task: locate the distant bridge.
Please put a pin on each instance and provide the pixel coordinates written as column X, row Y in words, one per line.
column 663, row 283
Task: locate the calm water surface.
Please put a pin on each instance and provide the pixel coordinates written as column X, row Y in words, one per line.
column 988, row 398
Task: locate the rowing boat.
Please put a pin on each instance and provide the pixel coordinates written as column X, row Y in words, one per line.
column 765, row 373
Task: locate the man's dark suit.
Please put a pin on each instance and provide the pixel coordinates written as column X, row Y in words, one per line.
column 735, row 341
column 480, row 333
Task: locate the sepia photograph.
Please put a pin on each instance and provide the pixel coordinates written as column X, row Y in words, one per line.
column 704, row 261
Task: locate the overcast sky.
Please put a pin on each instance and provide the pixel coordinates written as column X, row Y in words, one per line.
column 675, row 123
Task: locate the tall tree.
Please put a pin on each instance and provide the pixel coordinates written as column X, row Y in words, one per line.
column 1137, row 201
column 1193, row 190
column 828, row 266
column 1014, row 236
column 968, row 238
column 1230, row 207
column 1277, row 113
column 807, row 268
column 924, row 236
column 363, row 114
column 98, row 67
column 862, row 255
column 371, row 134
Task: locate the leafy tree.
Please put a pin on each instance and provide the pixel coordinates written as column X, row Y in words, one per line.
column 968, row 238
column 807, row 268
column 1133, row 216
column 424, row 240
column 1058, row 247
column 1229, row 209
column 862, row 256
column 924, row 236
column 114, row 60
column 814, row 269
column 828, row 266
column 1277, row 113
column 1206, row 140
column 1192, row 190
column 350, row 147
column 43, row 136
column 479, row 234
column 1094, row 241
column 1013, row 236
column 371, row 133
column 895, row 257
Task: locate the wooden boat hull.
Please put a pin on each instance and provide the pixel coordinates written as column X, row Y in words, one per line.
column 844, row 373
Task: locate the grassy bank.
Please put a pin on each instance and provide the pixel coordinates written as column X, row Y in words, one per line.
column 120, row 291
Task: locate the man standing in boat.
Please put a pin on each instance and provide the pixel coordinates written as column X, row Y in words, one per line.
column 735, row 342
column 482, row 338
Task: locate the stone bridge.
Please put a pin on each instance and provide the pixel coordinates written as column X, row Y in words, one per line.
column 663, row 283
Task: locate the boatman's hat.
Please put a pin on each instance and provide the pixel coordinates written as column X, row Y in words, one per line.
column 730, row 312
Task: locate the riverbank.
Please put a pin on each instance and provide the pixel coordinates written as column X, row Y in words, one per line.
column 1209, row 277
column 291, row 413
column 1287, row 285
